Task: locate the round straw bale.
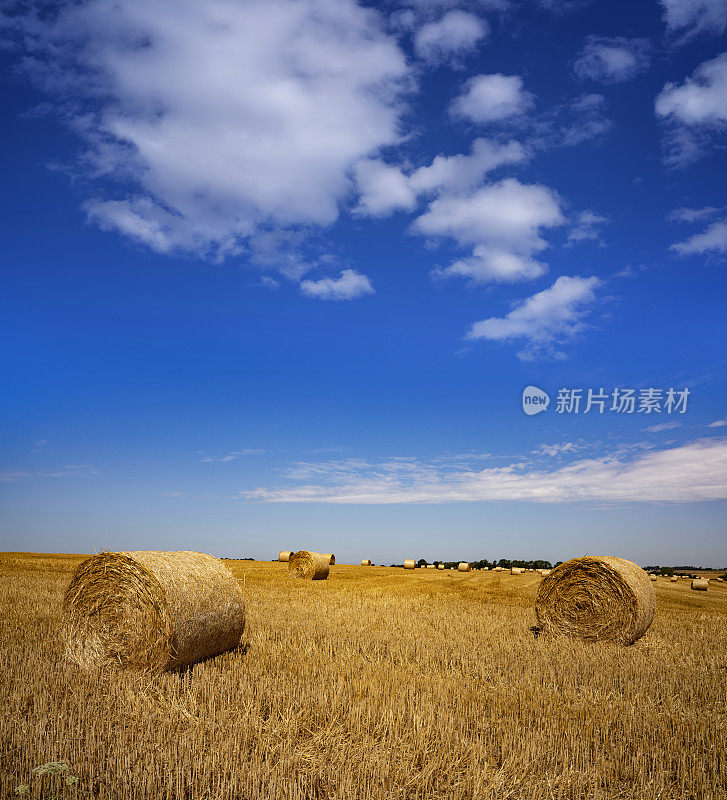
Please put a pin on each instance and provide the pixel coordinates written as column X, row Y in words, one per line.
column 463, row 566
column 331, row 558
column 596, row 599
column 652, row 577
column 674, row 578
column 700, row 585
column 151, row 611
column 365, row 562
column 516, row 570
column 285, row 555
column 409, row 563
column 545, row 572
column 440, row 566
column 309, row 565
column 431, row 566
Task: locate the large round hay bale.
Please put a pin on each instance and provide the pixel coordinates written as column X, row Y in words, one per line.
column 365, row 562
column 517, row 570
column 409, row 563
column 151, row 611
column 700, row 585
column 431, row 566
column 596, row 599
column 463, row 566
column 331, row 558
column 652, row 577
column 309, row 565
column 284, row 555
column 674, row 578
column 440, row 566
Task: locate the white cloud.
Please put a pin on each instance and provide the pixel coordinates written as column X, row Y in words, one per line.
column 454, row 35
column 383, row 189
column 712, row 240
column 350, row 285
column 718, row 423
column 701, row 99
column 66, row 471
column 492, row 98
column 544, row 321
column 220, row 116
column 572, row 123
column 693, row 472
column 695, row 16
column 586, row 227
column 611, row 59
column 556, row 449
column 694, row 112
column 460, row 172
column 232, row 456
column 501, row 221
column 693, row 214
column 663, row 426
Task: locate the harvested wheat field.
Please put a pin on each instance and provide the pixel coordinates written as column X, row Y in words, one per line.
column 376, row 683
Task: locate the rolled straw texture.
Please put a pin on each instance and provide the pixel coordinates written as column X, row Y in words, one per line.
column 365, row 562
column 700, row 585
column 463, row 566
column 596, row 599
column 331, row 558
column 409, row 563
column 309, row 565
column 285, row 555
column 151, row 611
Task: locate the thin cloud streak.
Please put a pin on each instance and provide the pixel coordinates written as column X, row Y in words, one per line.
column 693, row 472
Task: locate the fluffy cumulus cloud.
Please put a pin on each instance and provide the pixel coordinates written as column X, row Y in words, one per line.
column 382, row 189
column 545, row 321
column 456, row 34
column 690, row 473
column 349, row 285
column 689, row 17
column 611, row 59
column 218, row 117
column 712, row 240
column 695, row 111
column 492, row 98
column 502, row 222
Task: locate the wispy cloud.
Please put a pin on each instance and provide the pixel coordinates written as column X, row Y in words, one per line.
column 689, row 473
column 612, row 59
column 718, row 423
column 66, row 471
column 231, row 456
column 663, row 426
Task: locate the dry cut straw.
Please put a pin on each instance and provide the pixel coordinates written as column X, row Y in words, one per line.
column 464, row 566
column 409, row 563
column 596, row 599
column 309, row 565
column 700, row 585
column 151, row 611
column 285, row 555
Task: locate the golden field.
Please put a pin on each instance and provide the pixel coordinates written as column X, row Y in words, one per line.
column 377, row 683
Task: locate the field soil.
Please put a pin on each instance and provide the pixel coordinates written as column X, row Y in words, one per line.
column 377, row 683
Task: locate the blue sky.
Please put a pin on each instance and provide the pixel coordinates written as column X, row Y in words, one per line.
column 276, row 275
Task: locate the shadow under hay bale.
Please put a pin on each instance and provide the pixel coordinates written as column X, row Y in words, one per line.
column 309, row 565
column 285, row 555
column 151, row 611
column 596, row 599
column 700, row 585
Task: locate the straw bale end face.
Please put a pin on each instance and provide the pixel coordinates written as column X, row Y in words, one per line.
column 409, row 563
column 309, row 565
column 151, row 611
column 596, row 599
column 284, row 555
column 463, row 566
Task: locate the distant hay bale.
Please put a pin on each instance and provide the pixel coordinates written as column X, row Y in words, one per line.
column 674, row 578
column 331, row 558
column 309, row 565
column 151, row 611
column 431, row 566
column 440, row 566
column 596, row 599
column 545, row 572
column 409, row 563
column 365, row 562
column 517, row 570
column 463, row 566
column 652, row 577
column 284, row 555
column 700, row 585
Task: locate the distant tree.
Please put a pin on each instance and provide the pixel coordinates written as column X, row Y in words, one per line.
column 422, row 562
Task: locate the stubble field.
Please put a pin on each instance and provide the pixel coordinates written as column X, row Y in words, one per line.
column 377, row 683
